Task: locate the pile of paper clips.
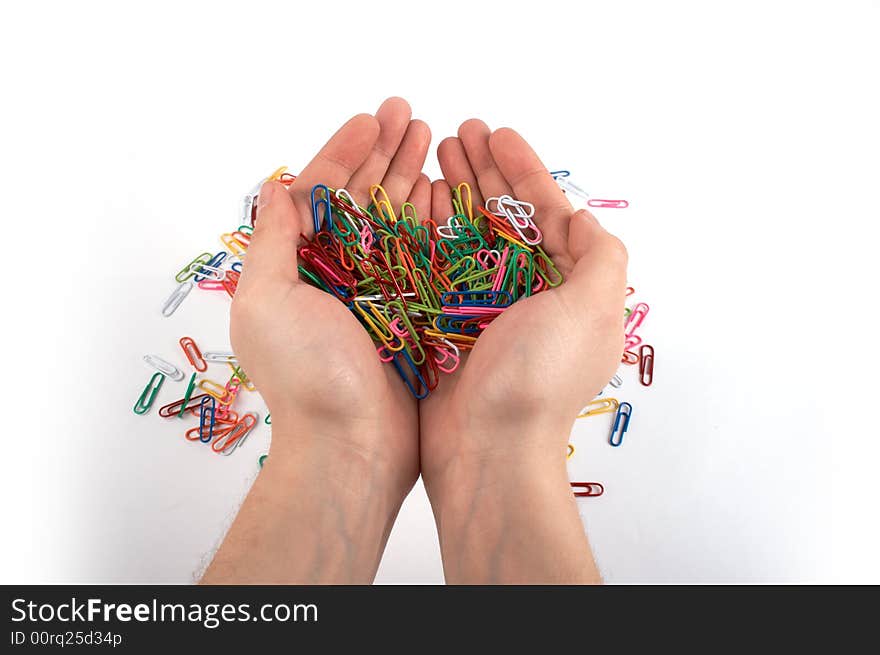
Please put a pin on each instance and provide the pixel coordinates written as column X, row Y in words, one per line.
column 424, row 292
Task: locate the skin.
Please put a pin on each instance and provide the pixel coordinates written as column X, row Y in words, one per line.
column 490, row 442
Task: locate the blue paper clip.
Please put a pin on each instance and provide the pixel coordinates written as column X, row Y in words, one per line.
column 422, row 384
column 476, row 298
column 215, row 261
column 237, row 270
column 557, row 174
column 621, row 414
column 207, row 413
column 316, row 207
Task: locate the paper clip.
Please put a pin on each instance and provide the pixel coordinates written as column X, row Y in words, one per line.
column 176, row 297
column 227, row 443
column 148, row 395
column 318, row 204
column 268, row 419
column 601, row 406
column 609, row 204
column 262, row 459
column 193, row 354
column 590, row 489
column 208, row 272
column 616, row 381
column 646, row 365
column 184, row 404
column 570, row 187
column 629, row 357
column 635, row 318
column 189, row 389
column 219, row 357
column 570, row 451
column 624, row 412
column 162, row 366
column 187, row 271
column 207, row 418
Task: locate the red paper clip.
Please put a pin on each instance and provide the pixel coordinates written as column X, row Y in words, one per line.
column 646, row 365
column 173, row 409
column 590, row 489
column 193, row 354
column 608, row 204
column 629, row 357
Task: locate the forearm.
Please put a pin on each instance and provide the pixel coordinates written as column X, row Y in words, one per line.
column 313, row 516
column 511, row 519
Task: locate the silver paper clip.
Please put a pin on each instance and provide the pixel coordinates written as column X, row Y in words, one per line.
column 174, row 300
column 162, row 366
column 219, row 357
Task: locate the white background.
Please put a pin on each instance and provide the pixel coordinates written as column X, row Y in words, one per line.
column 744, row 135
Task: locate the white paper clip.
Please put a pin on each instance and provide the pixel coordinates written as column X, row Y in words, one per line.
column 219, row 357
column 616, row 382
column 207, row 272
column 174, row 300
column 162, row 366
column 567, row 185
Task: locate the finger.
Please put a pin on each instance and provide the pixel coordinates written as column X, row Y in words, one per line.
column 393, row 117
column 456, row 168
column 406, row 166
column 271, row 254
column 334, row 165
column 598, row 279
column 441, row 201
column 532, row 182
column 420, row 197
column 474, row 136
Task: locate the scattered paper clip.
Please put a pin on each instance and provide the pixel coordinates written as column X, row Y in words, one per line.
column 646, row 365
column 218, row 357
column 621, row 423
column 570, row 451
column 176, row 297
column 162, row 366
column 608, row 204
column 236, row 437
column 148, row 395
column 179, row 406
column 590, row 489
column 193, row 354
column 600, row 406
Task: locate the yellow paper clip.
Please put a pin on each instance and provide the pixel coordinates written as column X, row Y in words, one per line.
column 600, row 406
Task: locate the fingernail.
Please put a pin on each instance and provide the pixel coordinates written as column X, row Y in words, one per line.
column 265, row 195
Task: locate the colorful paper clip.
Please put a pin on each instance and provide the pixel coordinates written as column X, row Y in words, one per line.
column 646, row 365
column 609, row 204
column 235, row 438
column 219, row 357
column 187, row 271
column 207, row 419
column 148, row 395
column 176, row 297
column 570, row 451
column 193, row 354
column 262, row 459
column 621, row 423
column 590, row 489
column 629, row 357
column 600, row 406
column 180, row 406
column 162, row 366
column 189, row 389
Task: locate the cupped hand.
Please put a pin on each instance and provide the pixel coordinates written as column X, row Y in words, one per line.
column 517, row 393
column 308, row 356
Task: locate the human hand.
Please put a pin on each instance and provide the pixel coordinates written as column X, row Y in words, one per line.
column 495, row 432
column 344, row 432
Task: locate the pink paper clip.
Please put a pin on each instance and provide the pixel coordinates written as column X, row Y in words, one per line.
column 608, row 204
column 635, row 319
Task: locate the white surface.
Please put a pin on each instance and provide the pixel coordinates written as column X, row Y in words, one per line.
column 744, row 136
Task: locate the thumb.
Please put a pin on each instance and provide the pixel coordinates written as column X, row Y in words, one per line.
column 271, row 254
column 598, row 281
